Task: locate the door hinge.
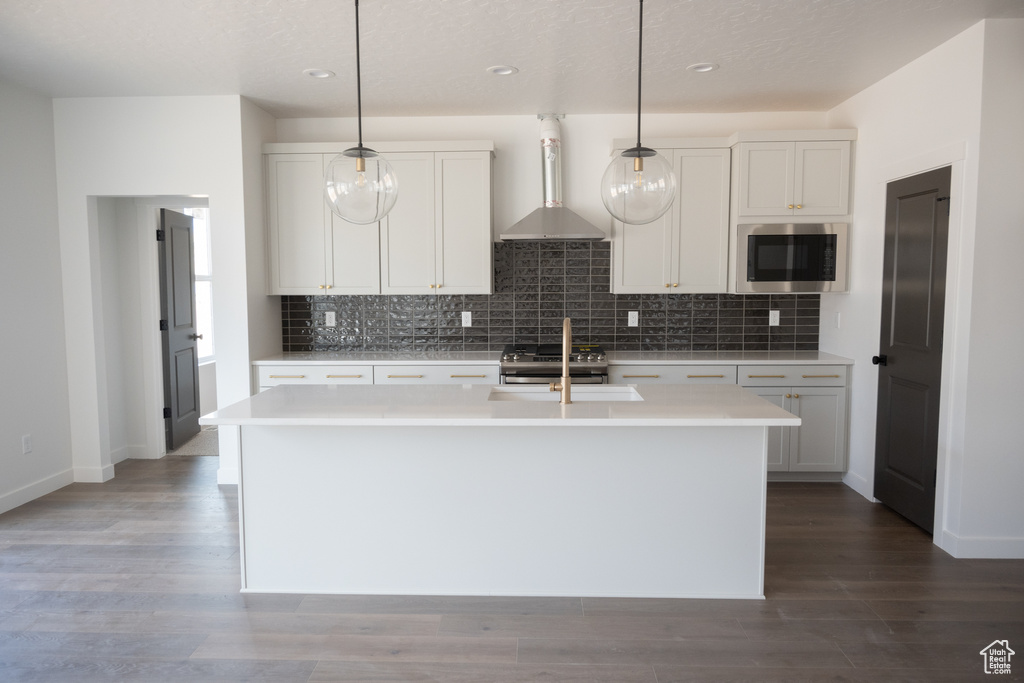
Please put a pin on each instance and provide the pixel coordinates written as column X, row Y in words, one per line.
column 160, row 235
column 163, row 326
column 167, row 413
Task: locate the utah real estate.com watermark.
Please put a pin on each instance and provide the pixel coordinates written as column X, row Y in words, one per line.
column 997, row 656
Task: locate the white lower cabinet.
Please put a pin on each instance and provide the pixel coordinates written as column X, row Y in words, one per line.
column 435, row 374
column 815, row 394
column 672, row 374
column 271, row 375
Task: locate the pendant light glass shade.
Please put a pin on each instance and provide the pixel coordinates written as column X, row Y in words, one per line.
column 639, row 185
column 359, row 184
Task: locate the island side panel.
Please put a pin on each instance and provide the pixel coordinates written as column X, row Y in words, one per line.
column 594, row 511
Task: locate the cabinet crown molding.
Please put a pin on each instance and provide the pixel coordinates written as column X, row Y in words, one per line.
column 382, row 147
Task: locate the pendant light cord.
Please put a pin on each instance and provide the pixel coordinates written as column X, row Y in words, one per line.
column 639, row 71
column 359, row 87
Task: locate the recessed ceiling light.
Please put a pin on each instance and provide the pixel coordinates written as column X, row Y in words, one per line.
column 502, row 70
column 702, row 67
column 319, row 73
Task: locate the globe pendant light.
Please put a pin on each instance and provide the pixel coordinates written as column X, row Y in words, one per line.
column 638, row 186
column 359, row 184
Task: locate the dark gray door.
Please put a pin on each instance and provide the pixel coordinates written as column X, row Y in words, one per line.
column 910, row 348
column 178, row 316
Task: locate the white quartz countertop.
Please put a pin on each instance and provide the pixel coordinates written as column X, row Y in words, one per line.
column 476, row 405
column 614, row 357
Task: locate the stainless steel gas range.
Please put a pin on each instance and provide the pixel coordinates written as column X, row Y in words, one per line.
column 542, row 363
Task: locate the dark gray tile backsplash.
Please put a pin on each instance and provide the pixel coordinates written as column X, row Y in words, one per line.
column 536, row 284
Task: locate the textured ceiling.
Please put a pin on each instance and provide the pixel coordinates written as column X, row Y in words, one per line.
column 428, row 57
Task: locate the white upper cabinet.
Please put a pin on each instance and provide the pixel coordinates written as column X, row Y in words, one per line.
column 810, row 178
column 437, row 239
column 687, row 249
column 312, row 251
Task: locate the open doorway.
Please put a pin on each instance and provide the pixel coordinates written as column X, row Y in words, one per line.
column 130, row 353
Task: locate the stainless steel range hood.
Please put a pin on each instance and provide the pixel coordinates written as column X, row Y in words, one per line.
column 552, row 221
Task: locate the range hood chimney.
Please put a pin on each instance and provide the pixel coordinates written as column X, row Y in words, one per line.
column 552, row 221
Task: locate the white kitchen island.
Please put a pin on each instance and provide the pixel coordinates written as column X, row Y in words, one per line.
column 646, row 491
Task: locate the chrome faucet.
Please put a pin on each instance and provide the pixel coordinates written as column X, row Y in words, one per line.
column 565, row 383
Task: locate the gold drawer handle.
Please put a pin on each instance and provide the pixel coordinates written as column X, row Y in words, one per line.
column 817, row 376
column 287, row 376
column 454, row 376
column 405, row 376
column 696, row 376
column 766, row 376
column 343, row 376
column 649, row 376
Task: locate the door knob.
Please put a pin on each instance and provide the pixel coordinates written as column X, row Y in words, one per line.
column 880, row 360
column 195, row 336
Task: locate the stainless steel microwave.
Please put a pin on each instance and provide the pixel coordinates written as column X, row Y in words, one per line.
column 791, row 257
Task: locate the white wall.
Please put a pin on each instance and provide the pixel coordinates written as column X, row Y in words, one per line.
column 147, row 146
column 927, row 115
column 990, row 521
column 33, row 362
column 586, row 147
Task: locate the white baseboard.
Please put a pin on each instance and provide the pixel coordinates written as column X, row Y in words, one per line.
column 860, row 485
column 980, row 547
column 94, row 475
column 13, row 499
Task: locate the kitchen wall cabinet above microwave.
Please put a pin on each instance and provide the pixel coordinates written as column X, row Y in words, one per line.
column 687, row 249
column 436, row 240
column 793, row 178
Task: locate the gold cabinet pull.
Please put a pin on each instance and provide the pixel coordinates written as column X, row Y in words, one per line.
column 789, row 395
column 766, row 376
column 799, row 206
column 330, row 287
column 796, row 395
column 343, row 376
column 675, row 284
column 454, row 376
column 697, row 376
column 287, row 376
column 405, row 376
column 431, row 286
column 667, row 284
column 818, row 376
column 648, row 376
column 321, row 287
column 789, row 206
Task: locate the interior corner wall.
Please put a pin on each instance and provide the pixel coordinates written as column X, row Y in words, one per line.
column 926, row 115
column 136, row 147
column 991, row 515
column 33, row 363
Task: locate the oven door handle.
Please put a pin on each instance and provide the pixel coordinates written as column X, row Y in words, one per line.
column 522, row 379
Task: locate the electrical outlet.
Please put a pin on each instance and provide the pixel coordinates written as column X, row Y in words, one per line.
column 467, row 319
column 773, row 318
column 330, row 319
column 26, row 444
column 634, row 319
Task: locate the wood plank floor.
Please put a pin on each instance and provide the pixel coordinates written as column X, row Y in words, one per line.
column 137, row 580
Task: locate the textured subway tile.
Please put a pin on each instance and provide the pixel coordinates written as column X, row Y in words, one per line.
column 536, row 285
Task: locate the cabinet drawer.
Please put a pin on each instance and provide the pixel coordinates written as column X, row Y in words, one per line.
column 435, row 374
column 672, row 374
column 272, row 375
column 792, row 375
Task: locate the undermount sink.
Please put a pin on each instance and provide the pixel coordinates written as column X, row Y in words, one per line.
column 580, row 394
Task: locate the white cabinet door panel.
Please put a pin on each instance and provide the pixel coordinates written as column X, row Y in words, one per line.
column 463, row 222
column 295, row 221
column 407, row 232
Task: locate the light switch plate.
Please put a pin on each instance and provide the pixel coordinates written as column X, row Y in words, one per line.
column 467, row 319
column 773, row 318
column 633, row 320
column 330, row 319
